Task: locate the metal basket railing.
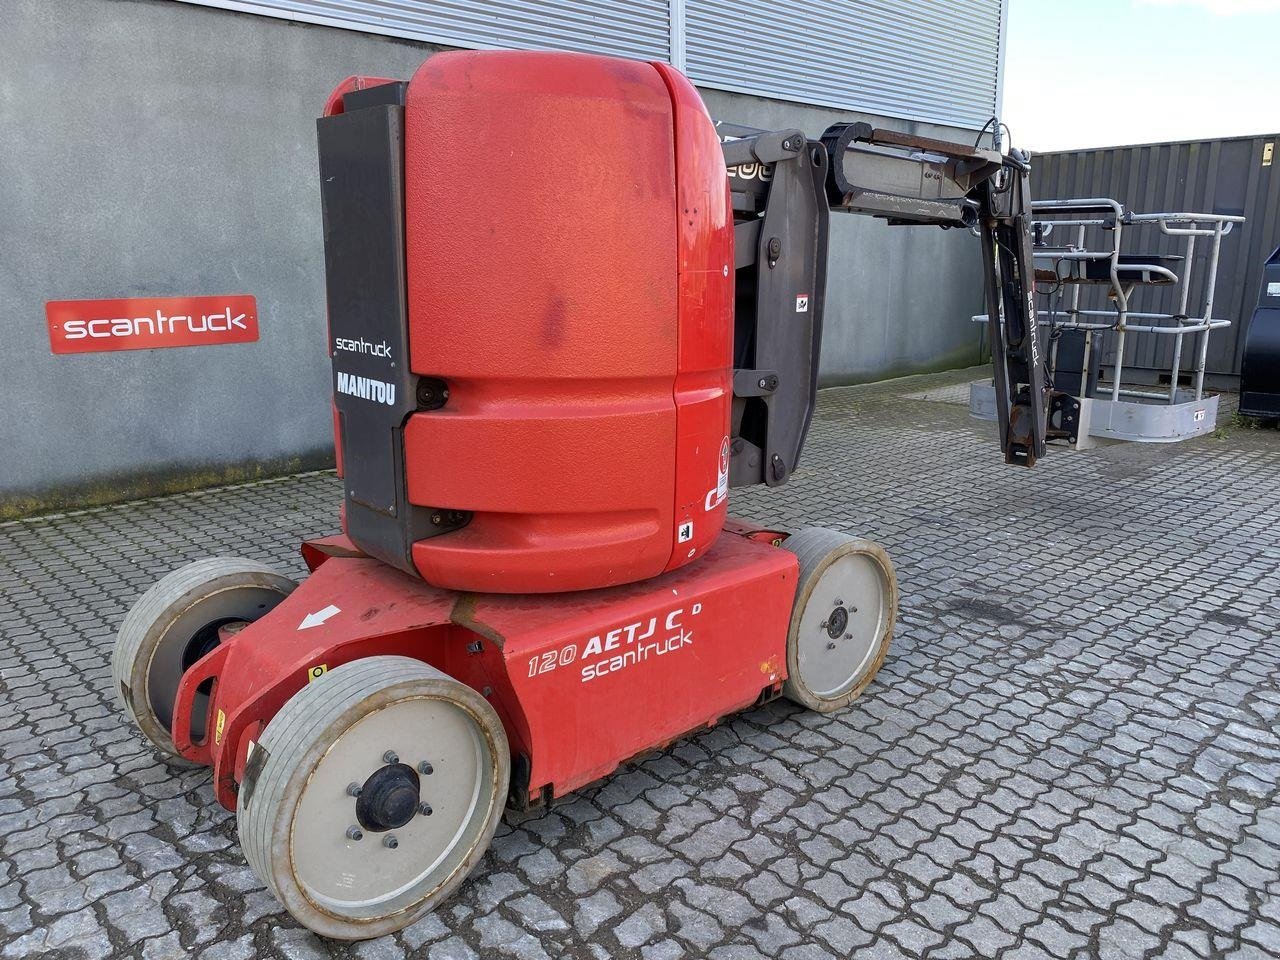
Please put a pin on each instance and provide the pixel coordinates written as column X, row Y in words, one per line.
column 1104, row 264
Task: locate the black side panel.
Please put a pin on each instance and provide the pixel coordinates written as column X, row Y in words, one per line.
column 1068, row 373
column 1022, row 394
column 1260, row 366
column 778, row 305
column 362, row 191
column 384, row 94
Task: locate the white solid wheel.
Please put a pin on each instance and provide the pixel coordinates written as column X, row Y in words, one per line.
column 372, row 794
column 842, row 619
column 174, row 624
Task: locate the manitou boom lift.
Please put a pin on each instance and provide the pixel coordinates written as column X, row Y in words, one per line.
column 544, row 386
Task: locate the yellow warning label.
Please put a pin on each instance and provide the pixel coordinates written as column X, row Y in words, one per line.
column 316, row 672
column 217, row 727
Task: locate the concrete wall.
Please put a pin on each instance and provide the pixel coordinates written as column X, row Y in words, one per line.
column 153, row 148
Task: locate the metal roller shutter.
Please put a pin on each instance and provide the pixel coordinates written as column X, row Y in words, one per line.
column 622, row 28
column 932, row 60
column 929, row 60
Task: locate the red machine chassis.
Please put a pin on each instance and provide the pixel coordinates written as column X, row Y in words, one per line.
column 582, row 681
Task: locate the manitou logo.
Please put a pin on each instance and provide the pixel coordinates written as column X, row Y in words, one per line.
column 89, row 326
column 367, row 389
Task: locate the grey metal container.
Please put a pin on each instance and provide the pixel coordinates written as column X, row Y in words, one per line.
column 1237, row 175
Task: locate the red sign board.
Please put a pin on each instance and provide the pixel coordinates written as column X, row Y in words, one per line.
column 144, row 323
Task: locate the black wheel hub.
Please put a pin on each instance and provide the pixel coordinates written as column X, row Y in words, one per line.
column 202, row 642
column 837, row 623
column 389, row 798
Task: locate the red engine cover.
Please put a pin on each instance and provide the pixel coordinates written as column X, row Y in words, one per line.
column 570, row 271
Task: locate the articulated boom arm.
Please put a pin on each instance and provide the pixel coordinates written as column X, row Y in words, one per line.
column 784, row 186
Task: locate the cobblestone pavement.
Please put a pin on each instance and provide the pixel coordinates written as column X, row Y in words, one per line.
column 1072, row 751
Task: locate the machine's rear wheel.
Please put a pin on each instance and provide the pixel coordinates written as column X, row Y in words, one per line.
column 372, row 794
column 842, row 620
column 177, row 622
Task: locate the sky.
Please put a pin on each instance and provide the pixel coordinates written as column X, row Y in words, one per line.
column 1092, row 73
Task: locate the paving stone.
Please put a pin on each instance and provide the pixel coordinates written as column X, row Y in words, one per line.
column 498, row 933
column 239, row 949
column 662, row 950
column 1071, row 751
column 452, row 949
column 166, row 947
column 695, row 927
column 658, row 876
column 537, row 915
column 599, row 908
column 737, row 951
column 642, row 926
column 588, row 874
column 426, row 930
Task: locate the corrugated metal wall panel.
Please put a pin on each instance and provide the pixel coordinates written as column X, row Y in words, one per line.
column 1215, row 176
column 625, row 28
column 929, row 60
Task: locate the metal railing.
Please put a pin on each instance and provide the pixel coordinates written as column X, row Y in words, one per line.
column 1114, row 222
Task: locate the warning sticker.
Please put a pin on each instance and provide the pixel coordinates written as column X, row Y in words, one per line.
column 722, row 474
column 720, row 492
column 316, row 672
column 685, row 533
column 218, row 727
column 802, row 303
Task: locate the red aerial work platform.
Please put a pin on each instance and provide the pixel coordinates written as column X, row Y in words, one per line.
column 566, row 314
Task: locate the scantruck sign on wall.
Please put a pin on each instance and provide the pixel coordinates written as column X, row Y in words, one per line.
column 91, row 326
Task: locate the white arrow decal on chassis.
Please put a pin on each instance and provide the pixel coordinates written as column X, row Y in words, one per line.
column 319, row 617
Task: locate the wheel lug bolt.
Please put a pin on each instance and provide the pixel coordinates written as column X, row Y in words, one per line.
column 353, row 789
column 425, row 768
column 822, row 625
column 390, row 757
column 848, row 636
column 831, row 645
column 839, row 603
column 425, row 809
column 390, row 841
column 354, row 833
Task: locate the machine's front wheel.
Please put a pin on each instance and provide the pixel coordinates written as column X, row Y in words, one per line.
column 372, row 794
column 842, row 620
column 177, row 622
